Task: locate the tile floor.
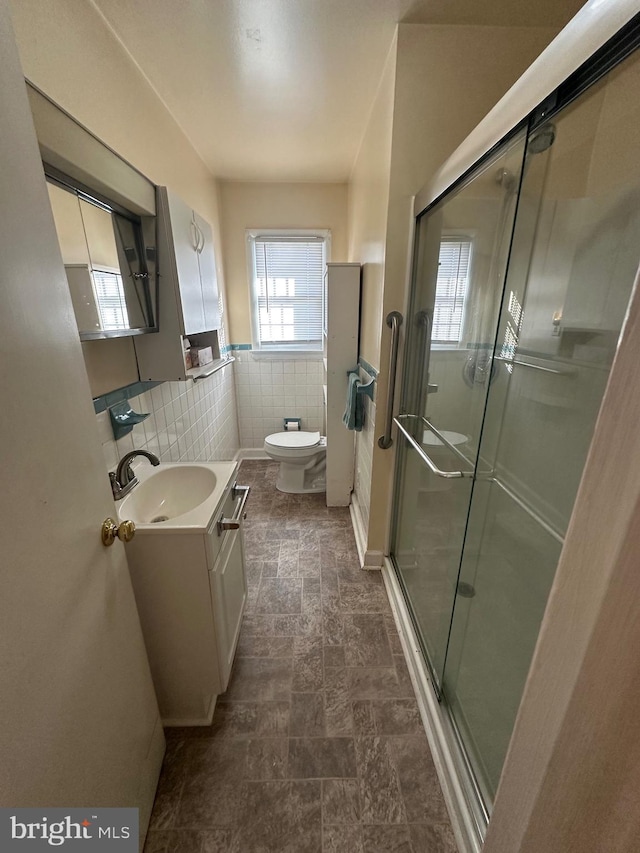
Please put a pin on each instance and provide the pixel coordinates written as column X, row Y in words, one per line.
column 317, row 745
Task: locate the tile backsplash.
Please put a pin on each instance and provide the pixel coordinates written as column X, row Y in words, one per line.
column 270, row 389
column 187, row 422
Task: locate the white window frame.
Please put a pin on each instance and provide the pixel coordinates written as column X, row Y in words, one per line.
column 278, row 351
column 458, row 236
column 118, row 285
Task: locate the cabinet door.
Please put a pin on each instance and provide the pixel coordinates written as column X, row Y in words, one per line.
column 229, row 593
column 185, row 244
column 208, row 276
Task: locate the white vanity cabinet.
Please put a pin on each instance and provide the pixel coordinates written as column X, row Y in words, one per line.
column 190, row 589
column 188, row 292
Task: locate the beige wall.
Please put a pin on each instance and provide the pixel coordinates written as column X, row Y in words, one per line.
column 272, row 205
column 76, row 60
column 368, row 206
column 446, row 79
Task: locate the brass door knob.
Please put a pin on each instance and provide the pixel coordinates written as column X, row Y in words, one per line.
column 125, row 531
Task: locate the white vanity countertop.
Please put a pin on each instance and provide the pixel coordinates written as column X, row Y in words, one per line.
column 188, row 494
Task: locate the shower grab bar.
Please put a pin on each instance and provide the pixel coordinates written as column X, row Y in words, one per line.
column 519, row 363
column 431, row 465
column 529, row 511
column 394, row 321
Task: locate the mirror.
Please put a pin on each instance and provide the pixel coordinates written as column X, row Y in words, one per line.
column 107, row 262
column 105, row 216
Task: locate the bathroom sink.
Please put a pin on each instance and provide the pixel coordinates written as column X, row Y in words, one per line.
column 176, row 496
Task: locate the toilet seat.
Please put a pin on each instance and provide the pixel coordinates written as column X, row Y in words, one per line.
column 293, row 440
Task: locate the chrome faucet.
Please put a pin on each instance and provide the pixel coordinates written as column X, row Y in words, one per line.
column 123, row 479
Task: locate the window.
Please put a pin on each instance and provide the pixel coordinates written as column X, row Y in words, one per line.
column 110, row 299
column 451, row 290
column 288, row 270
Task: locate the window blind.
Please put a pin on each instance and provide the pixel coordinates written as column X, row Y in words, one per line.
column 112, row 305
column 451, row 289
column 288, row 291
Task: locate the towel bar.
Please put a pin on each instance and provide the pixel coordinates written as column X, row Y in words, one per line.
column 367, row 389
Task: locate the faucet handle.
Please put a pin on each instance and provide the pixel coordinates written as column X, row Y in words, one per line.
column 115, row 485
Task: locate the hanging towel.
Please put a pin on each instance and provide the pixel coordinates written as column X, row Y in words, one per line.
column 353, row 417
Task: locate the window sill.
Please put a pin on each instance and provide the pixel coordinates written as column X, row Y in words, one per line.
column 286, row 354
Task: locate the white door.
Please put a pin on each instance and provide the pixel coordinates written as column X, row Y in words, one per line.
column 79, row 719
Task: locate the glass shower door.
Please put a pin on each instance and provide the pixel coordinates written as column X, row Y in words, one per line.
column 459, row 269
column 574, row 258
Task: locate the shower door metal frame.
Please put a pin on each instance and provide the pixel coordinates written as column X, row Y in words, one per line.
column 617, row 48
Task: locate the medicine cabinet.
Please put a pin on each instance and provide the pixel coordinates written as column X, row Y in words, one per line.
column 105, row 217
column 109, row 263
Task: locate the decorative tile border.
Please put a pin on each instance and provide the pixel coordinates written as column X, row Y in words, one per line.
column 369, row 369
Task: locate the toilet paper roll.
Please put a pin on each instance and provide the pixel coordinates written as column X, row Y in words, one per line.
column 291, row 426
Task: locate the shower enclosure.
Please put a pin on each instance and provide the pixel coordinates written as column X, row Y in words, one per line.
column 521, row 278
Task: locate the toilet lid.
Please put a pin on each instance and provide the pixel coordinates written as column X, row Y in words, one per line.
column 454, row 438
column 293, row 439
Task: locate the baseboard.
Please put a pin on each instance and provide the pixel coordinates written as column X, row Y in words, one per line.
column 358, row 527
column 373, row 560
column 433, row 719
column 250, row 453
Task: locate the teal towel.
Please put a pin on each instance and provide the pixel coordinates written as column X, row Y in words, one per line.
column 353, row 417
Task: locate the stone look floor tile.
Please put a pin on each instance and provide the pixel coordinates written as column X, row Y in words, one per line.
column 340, row 801
column 363, row 598
column 280, row 595
column 397, row 717
column 172, row 778
column 342, row 839
column 434, row 838
column 334, row 656
column 307, row 715
column 337, row 704
column 260, row 679
column 364, row 721
column 308, row 665
column 380, row 794
column 282, row 817
column 267, row 758
column 365, row 640
column 317, row 745
column 419, row 784
column 321, row 758
column 265, row 647
column 388, row 839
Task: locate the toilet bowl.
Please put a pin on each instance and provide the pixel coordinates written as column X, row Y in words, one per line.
column 302, row 458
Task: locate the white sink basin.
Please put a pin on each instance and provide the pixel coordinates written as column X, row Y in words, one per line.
column 183, row 495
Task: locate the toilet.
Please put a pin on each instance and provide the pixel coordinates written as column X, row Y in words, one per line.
column 302, row 458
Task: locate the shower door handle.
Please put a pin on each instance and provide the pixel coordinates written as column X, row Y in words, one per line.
column 431, row 465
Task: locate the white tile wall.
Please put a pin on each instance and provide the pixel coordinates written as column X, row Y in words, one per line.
column 268, row 390
column 364, row 456
column 188, row 422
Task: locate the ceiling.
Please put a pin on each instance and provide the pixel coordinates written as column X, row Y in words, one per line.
column 280, row 90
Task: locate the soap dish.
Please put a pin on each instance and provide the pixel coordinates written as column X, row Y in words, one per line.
column 123, row 418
